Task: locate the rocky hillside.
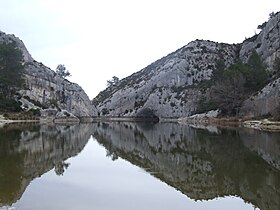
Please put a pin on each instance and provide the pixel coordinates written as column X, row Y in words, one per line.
column 171, row 86
column 46, row 90
column 168, row 86
column 267, row 44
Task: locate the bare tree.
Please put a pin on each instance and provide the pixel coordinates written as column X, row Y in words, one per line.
column 229, row 93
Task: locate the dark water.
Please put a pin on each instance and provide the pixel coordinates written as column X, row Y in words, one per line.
column 131, row 166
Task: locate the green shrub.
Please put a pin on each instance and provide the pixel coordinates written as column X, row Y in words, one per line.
column 231, row 86
column 9, row 105
column 11, row 70
column 34, row 112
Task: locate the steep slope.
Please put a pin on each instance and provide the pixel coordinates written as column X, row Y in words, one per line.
column 44, row 88
column 171, row 86
column 267, row 44
column 167, row 87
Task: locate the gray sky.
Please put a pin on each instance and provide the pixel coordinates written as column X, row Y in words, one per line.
column 97, row 39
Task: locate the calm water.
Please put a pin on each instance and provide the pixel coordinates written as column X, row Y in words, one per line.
column 129, row 166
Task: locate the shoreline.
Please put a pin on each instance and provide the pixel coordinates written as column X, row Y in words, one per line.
column 265, row 125
column 262, row 124
column 4, row 122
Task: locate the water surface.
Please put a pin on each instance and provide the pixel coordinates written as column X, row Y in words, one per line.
column 138, row 166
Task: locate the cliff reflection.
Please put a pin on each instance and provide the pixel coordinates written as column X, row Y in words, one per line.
column 203, row 164
column 28, row 151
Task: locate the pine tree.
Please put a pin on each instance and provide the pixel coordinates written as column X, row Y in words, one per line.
column 61, row 71
column 11, row 73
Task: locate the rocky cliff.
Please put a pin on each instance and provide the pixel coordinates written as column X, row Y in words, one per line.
column 167, row 87
column 46, row 89
column 267, row 44
column 171, row 86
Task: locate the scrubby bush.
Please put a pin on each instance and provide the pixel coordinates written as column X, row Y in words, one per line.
column 105, row 111
column 9, row 104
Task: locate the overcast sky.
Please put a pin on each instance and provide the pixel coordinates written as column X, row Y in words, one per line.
column 98, row 39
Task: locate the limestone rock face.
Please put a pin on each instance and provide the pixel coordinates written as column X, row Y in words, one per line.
column 266, row 43
column 171, row 86
column 48, row 88
column 167, row 87
column 265, row 102
column 44, row 88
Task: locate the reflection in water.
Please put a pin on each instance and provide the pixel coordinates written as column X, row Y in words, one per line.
column 28, row 151
column 202, row 164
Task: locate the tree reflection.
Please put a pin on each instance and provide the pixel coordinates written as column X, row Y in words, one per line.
column 113, row 155
column 29, row 150
column 60, row 168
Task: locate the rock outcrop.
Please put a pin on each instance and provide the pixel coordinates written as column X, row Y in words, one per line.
column 265, row 102
column 267, row 44
column 44, row 88
column 167, row 87
column 171, row 86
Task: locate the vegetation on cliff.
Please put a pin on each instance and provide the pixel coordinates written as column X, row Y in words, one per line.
column 28, row 88
column 229, row 87
column 11, row 71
